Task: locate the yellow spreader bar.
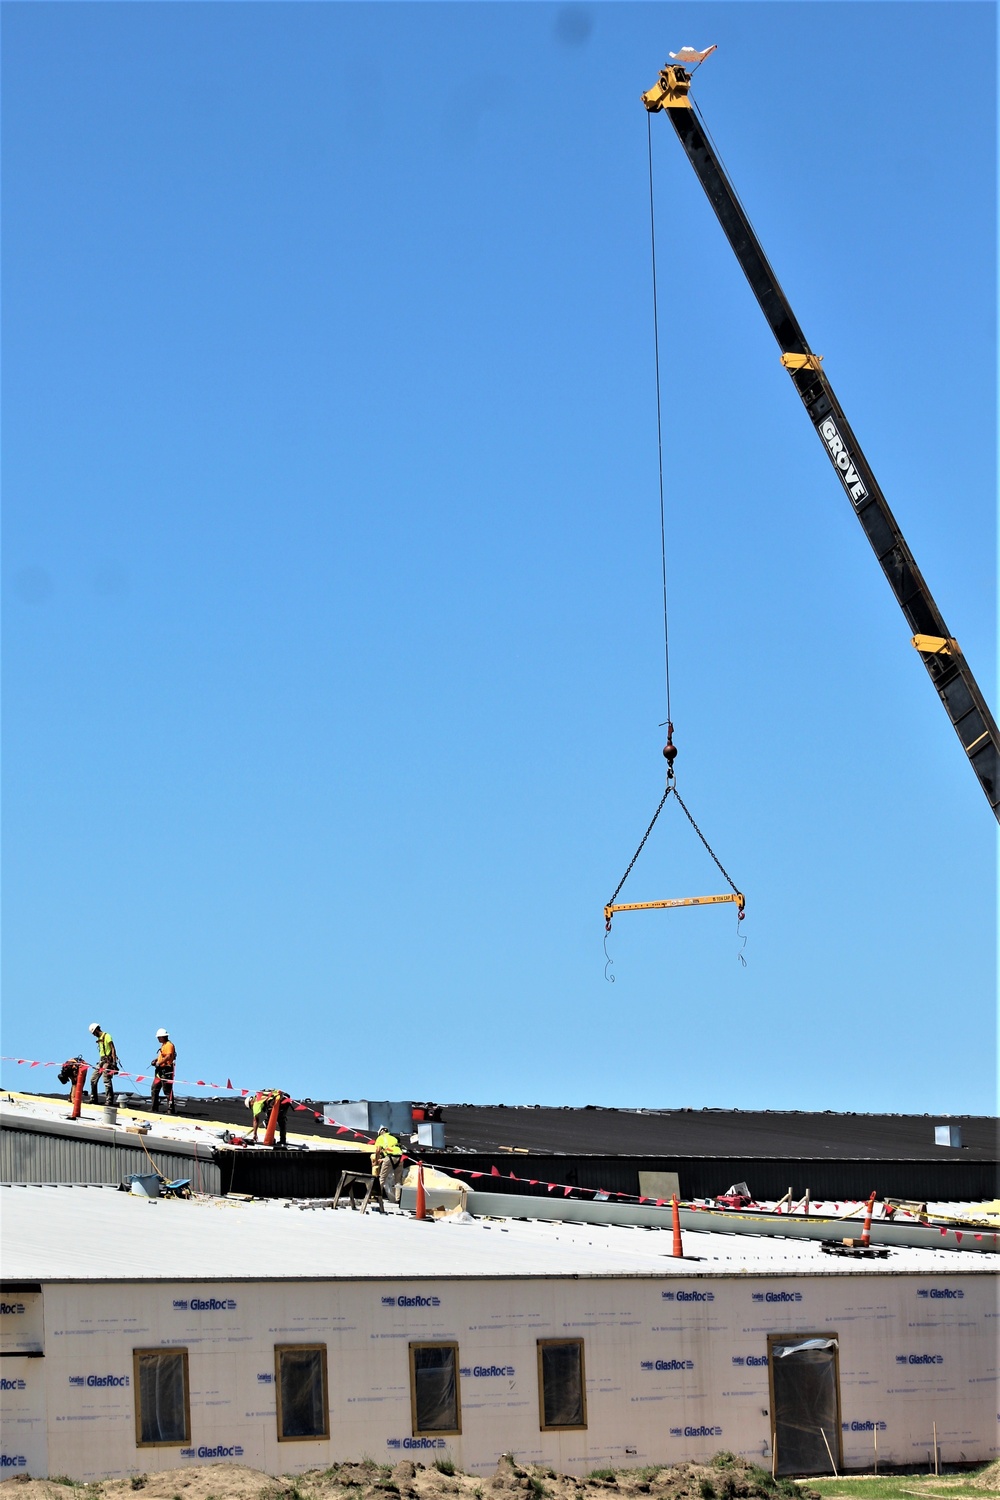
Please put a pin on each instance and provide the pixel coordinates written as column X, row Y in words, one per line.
column 733, row 896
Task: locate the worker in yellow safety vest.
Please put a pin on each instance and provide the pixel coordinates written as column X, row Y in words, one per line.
column 261, row 1105
column 387, row 1163
column 107, row 1063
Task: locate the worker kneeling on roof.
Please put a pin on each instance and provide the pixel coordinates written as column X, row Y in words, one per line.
column 262, row 1104
column 387, row 1162
column 163, row 1065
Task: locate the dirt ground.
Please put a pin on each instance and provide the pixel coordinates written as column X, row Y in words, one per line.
column 725, row 1478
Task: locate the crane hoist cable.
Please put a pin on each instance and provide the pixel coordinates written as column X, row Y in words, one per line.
column 669, row 750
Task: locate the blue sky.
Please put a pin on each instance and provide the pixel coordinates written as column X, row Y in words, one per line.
column 332, row 669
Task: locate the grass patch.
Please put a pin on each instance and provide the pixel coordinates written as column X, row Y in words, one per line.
column 603, row 1474
column 899, row 1487
column 444, row 1465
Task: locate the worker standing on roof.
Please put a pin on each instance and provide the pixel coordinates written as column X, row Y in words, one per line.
column 107, row 1063
column 387, row 1162
column 261, row 1105
column 163, row 1066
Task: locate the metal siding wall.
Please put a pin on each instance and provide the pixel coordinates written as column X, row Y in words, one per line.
column 700, row 1177
column 27, row 1157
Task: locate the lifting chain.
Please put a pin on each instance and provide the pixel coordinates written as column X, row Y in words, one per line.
column 722, row 870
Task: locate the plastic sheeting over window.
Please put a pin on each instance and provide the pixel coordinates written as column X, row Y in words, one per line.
column 560, row 1377
column 781, row 1351
column 302, row 1403
column 806, row 1405
column 434, row 1375
column 163, row 1402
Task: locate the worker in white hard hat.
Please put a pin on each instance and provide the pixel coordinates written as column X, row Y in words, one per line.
column 107, row 1063
column 163, row 1065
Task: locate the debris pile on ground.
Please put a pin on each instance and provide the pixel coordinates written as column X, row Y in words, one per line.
column 725, row 1478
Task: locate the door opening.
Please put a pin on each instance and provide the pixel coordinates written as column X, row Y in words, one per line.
column 805, row 1402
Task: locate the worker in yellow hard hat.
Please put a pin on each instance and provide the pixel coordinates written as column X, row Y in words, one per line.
column 107, row 1063
column 387, row 1163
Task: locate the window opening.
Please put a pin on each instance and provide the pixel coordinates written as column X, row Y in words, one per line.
column 805, row 1402
column 162, row 1398
column 434, row 1395
column 562, row 1396
column 301, row 1384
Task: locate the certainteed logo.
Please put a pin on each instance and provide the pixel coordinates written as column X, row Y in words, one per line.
column 221, row 1450
column 853, row 483
column 204, row 1304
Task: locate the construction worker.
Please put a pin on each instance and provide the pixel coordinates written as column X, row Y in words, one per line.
column 387, row 1162
column 107, row 1063
column 163, row 1065
column 70, row 1070
column 261, row 1105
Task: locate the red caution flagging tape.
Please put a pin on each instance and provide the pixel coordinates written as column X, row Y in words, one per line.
column 587, row 1193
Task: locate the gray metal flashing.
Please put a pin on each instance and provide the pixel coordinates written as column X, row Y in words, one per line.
column 744, row 1222
column 96, row 1131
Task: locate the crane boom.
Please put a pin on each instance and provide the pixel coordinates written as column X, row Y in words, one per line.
column 946, row 666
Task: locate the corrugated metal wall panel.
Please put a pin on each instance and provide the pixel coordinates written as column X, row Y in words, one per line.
column 29, row 1157
column 704, row 1177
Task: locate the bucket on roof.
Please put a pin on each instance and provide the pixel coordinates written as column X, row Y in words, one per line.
column 144, row 1184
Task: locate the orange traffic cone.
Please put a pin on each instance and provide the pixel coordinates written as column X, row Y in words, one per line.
column 421, row 1195
column 678, row 1247
column 272, row 1123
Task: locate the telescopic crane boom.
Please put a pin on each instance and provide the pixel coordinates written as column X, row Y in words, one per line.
column 946, row 666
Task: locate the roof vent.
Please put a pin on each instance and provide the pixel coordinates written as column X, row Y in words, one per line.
column 947, row 1135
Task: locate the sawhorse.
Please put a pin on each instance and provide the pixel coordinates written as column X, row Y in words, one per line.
column 349, row 1184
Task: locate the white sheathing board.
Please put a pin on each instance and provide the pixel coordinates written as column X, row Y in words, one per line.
column 675, row 1368
column 21, row 1330
column 22, row 1416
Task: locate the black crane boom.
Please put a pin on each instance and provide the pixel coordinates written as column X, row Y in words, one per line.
column 946, row 666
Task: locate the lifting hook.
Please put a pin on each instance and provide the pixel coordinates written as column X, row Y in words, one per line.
column 670, row 751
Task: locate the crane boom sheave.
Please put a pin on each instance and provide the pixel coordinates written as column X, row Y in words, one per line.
column 946, row 666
